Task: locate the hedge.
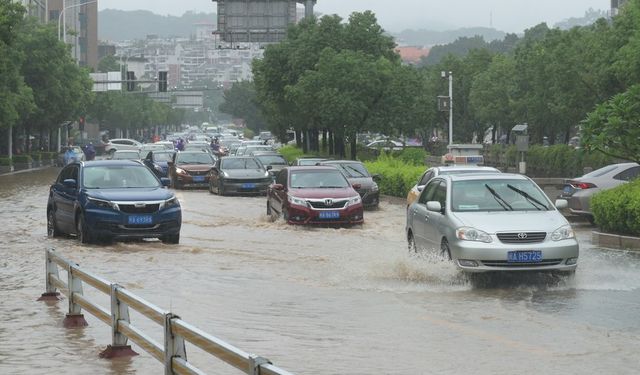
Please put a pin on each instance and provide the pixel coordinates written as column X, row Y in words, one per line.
column 617, row 210
column 22, row 159
column 397, row 177
column 5, row 161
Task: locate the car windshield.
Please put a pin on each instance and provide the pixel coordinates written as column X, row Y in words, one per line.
column 162, row 156
column 194, row 158
column 318, row 179
column 352, row 169
column 239, row 163
column 272, row 160
column 309, row 161
column 119, row 177
column 497, row 195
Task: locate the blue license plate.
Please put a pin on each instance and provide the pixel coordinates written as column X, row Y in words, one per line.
column 140, row 219
column 567, row 189
column 329, row 214
column 248, row 186
column 198, row 178
column 534, row 256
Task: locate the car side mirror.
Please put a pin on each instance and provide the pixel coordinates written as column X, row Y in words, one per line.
column 278, row 187
column 561, row 204
column 434, row 206
column 269, row 167
column 357, row 186
column 166, row 182
column 420, row 188
column 70, row 183
column 376, row 177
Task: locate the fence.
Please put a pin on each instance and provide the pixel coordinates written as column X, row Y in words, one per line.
column 176, row 331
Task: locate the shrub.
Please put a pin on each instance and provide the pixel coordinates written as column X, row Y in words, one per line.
column 23, row 159
column 617, row 210
column 413, row 156
column 248, row 133
column 36, row 156
column 397, row 177
column 291, row 153
column 5, row 161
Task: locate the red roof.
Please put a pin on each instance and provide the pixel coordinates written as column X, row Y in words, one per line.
column 412, row 54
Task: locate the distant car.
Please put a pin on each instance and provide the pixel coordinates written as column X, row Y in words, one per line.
column 166, row 144
column 251, row 149
column 308, row 161
column 275, row 161
column 125, row 155
column 387, row 145
column 112, row 199
column 191, row 169
column 239, row 175
column 122, row 144
column 158, row 161
column 77, row 155
column 314, row 195
column 146, row 147
column 578, row 191
column 444, row 170
column 360, row 178
column 492, row 222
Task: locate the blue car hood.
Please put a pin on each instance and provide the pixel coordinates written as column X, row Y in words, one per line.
column 131, row 194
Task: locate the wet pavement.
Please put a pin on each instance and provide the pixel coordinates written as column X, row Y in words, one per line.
column 314, row 300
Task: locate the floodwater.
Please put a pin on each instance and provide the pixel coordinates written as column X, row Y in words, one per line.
column 313, row 301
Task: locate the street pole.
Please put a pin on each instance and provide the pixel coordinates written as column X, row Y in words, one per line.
column 450, row 108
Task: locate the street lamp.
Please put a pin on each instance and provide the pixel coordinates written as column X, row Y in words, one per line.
column 61, row 16
column 450, row 76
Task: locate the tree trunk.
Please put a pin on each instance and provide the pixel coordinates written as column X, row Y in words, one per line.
column 305, row 141
column 298, row 138
column 332, row 145
column 354, row 150
column 324, row 140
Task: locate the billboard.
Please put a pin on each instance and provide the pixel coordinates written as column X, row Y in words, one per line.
column 255, row 21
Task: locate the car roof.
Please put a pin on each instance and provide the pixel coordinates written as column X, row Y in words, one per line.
column 311, row 168
column 465, row 168
column 340, row 161
column 110, row 162
column 484, row 176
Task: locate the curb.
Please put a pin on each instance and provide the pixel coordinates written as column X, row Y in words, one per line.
column 614, row 241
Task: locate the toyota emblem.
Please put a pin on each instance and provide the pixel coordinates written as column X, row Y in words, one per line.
column 522, row 236
column 328, row 202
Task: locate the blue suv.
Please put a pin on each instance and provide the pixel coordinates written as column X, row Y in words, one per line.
column 112, row 199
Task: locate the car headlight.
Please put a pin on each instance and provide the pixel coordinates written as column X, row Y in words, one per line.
column 563, row 233
column 473, row 234
column 180, row 171
column 355, row 200
column 374, row 187
column 224, row 174
column 102, row 203
column 298, row 201
column 171, row 202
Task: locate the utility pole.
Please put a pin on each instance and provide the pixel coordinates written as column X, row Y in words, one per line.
column 450, row 76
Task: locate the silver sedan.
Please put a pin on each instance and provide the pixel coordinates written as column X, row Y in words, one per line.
column 499, row 222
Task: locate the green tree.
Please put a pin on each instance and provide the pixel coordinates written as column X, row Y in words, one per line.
column 108, row 64
column 241, row 101
column 612, row 128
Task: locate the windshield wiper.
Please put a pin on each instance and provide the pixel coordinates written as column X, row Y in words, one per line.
column 499, row 199
column 534, row 202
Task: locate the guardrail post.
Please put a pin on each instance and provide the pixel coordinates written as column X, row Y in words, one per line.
column 119, row 312
column 255, row 362
column 50, row 269
column 173, row 345
column 74, row 318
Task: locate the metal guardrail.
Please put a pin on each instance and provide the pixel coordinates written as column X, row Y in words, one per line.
column 172, row 352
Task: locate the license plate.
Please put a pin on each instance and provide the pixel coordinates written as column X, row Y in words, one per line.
column 198, row 178
column 524, row 256
column 329, row 214
column 140, row 219
column 248, row 186
column 567, row 189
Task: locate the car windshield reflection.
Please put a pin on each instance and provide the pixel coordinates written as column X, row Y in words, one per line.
column 497, row 195
column 324, row 179
column 119, row 177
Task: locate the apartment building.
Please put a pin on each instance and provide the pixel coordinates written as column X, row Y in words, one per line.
column 36, row 8
column 80, row 20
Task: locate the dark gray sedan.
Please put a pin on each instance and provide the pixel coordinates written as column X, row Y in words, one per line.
column 358, row 175
column 239, row 175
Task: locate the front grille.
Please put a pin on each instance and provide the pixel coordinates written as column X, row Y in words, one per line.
column 322, row 204
column 522, row 237
column 247, row 180
column 146, row 209
column 198, row 173
column 504, row 263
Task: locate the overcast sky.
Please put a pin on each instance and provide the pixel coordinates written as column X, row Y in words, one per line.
column 396, row 15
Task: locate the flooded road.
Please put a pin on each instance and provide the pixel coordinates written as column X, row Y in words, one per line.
column 314, row 301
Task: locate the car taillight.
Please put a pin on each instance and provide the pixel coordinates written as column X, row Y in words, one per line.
column 582, row 185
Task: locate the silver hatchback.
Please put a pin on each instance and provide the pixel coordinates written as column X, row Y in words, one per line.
column 498, row 222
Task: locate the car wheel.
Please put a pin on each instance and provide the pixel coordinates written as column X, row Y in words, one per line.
column 444, row 249
column 269, row 211
column 285, row 215
column 220, row 189
column 411, row 242
column 210, row 188
column 82, row 231
column 52, row 227
column 173, row 239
